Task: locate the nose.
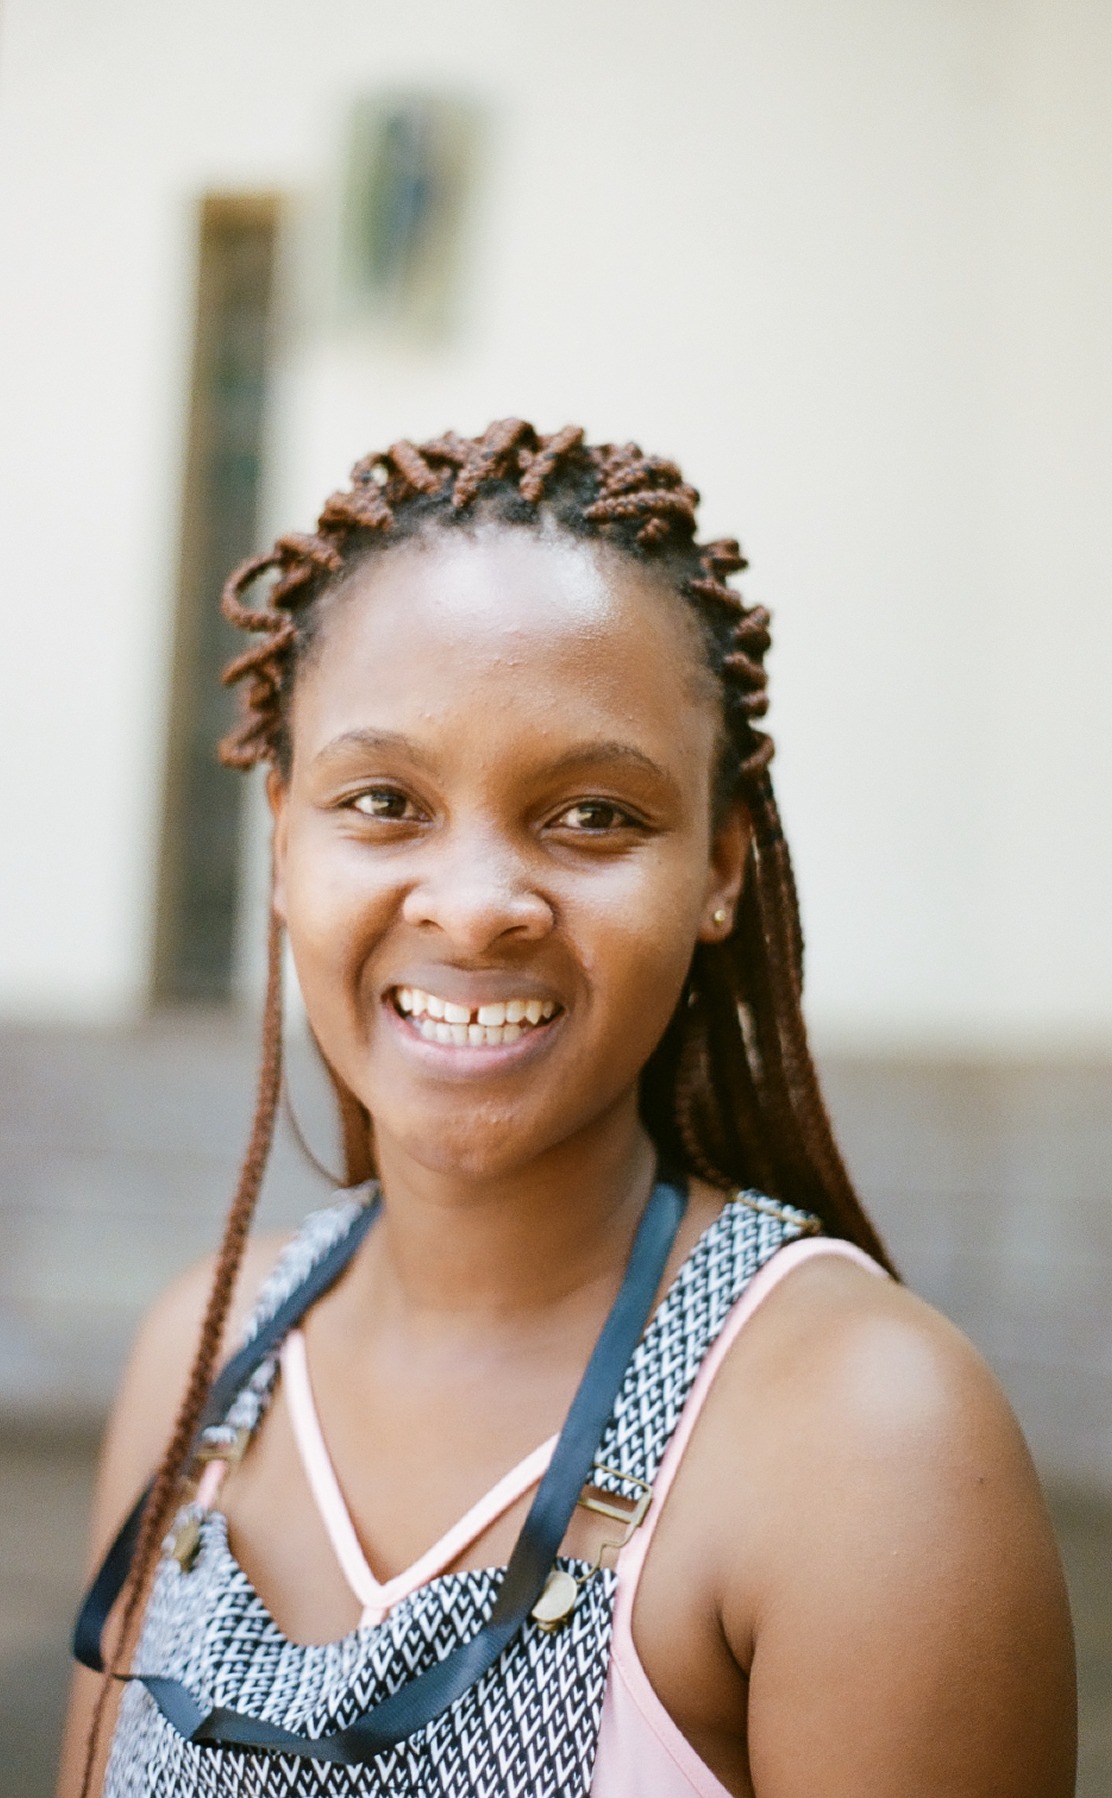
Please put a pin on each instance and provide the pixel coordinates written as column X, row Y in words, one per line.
column 477, row 890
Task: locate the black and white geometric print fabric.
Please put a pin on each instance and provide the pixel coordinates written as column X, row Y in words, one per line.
column 312, row 1242
column 529, row 1728
column 687, row 1324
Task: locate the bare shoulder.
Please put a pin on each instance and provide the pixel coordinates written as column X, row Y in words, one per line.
column 882, row 1411
column 876, row 1369
column 905, row 1571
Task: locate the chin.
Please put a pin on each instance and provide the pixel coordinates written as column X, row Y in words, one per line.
column 469, row 1148
column 468, row 1162
column 448, row 1138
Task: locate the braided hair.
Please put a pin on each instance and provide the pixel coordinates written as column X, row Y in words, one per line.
column 731, row 1090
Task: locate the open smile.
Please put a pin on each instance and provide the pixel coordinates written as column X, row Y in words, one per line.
column 493, row 1024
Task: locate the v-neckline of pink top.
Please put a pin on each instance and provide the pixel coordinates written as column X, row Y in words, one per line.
column 378, row 1597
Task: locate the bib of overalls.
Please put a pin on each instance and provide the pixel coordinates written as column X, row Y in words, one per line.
column 529, row 1727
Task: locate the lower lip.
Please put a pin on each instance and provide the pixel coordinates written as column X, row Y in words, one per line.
column 471, row 1060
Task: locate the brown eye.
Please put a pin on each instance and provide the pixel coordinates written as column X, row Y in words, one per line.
column 383, row 802
column 595, row 816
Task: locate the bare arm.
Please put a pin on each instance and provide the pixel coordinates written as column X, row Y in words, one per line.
column 147, row 1402
column 912, row 1631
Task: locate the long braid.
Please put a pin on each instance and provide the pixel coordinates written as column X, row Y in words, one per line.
column 167, row 1480
column 741, row 1108
column 541, row 464
column 841, row 1205
column 695, row 1120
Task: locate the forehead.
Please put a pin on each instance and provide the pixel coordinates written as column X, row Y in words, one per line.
column 492, row 616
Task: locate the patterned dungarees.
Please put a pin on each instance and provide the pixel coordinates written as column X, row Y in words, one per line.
column 529, row 1728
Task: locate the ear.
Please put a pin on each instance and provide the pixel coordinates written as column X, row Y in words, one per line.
column 729, row 854
column 277, row 795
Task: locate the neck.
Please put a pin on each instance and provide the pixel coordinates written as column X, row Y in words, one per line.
column 512, row 1242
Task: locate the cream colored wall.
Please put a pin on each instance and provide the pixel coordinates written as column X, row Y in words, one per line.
column 849, row 262
column 1048, row 766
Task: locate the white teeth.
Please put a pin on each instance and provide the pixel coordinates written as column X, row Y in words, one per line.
column 461, row 1036
column 443, row 1021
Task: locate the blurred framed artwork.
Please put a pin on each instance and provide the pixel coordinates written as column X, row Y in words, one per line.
column 410, row 164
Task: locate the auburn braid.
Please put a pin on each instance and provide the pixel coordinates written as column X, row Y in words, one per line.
column 164, row 1489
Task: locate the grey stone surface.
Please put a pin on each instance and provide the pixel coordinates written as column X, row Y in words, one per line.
column 993, row 1182
column 45, row 1488
column 118, row 1156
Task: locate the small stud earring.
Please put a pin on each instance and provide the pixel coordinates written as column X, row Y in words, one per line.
column 719, row 917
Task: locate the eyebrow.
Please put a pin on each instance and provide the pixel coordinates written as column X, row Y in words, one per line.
column 585, row 755
column 376, row 742
column 609, row 751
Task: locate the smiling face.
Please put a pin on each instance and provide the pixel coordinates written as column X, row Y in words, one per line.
column 494, row 852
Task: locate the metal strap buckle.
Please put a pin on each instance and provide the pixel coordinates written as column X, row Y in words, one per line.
column 631, row 1512
column 561, row 1590
column 230, row 1449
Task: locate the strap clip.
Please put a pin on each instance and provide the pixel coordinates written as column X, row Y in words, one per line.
column 596, row 1498
column 217, row 1444
column 561, row 1589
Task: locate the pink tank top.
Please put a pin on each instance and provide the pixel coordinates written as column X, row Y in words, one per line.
column 641, row 1752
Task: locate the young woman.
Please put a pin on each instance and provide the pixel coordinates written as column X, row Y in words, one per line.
column 783, row 1539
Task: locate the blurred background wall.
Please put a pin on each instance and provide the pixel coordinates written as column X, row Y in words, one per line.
column 851, row 264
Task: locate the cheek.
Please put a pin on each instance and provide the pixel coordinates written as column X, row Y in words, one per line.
column 333, row 916
column 637, row 945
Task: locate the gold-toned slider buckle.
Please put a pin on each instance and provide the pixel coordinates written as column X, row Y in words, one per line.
column 231, row 1450
column 225, row 1451
column 561, row 1589
column 631, row 1511
column 186, row 1542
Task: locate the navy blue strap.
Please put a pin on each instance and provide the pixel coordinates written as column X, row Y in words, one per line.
column 113, row 1571
column 425, row 1697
